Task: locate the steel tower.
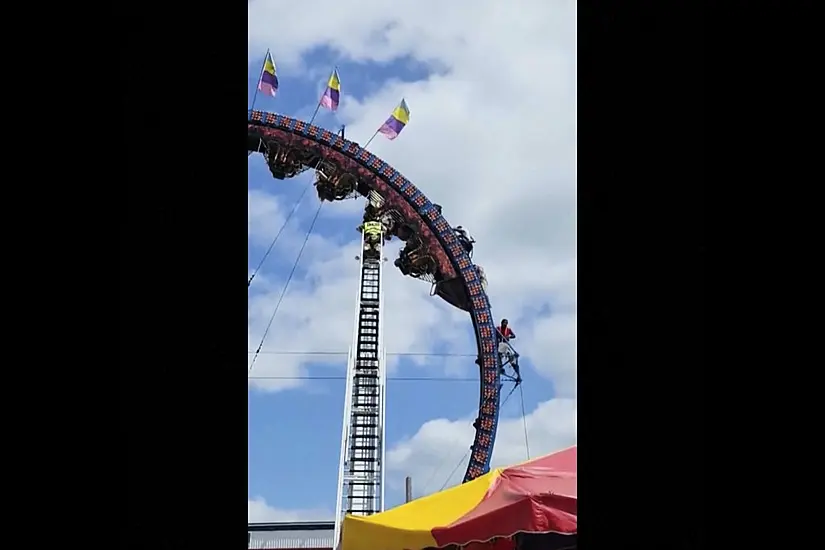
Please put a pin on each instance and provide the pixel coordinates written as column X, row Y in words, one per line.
column 361, row 466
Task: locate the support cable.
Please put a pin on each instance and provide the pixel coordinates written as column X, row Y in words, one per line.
column 435, row 472
column 286, row 286
column 524, row 420
column 275, row 240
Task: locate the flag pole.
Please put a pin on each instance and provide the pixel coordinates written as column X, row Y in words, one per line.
column 258, row 84
column 318, row 107
column 373, row 137
column 379, row 128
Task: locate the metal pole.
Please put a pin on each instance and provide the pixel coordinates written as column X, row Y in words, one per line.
column 255, row 96
column 408, row 482
column 373, row 137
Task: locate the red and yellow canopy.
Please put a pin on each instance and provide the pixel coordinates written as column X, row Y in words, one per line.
column 538, row 496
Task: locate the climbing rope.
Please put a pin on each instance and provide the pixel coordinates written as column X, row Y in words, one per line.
column 286, row 286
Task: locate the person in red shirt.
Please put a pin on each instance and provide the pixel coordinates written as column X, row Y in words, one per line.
column 505, row 334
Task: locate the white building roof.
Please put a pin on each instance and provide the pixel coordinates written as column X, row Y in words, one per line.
column 305, row 535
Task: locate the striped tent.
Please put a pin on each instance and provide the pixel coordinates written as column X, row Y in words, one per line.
column 538, row 496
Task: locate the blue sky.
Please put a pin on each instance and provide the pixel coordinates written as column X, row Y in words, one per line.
column 295, row 428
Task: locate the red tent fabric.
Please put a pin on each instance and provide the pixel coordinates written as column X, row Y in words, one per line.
column 538, row 496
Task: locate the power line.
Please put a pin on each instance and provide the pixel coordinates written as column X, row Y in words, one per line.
column 286, row 286
column 421, row 354
column 275, row 240
column 392, row 378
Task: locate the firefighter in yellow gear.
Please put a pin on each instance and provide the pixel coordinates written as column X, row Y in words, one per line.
column 372, row 237
column 372, row 231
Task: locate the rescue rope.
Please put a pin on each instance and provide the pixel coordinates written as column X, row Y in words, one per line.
column 286, row 286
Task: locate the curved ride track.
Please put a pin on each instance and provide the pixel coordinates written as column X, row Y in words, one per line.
column 308, row 147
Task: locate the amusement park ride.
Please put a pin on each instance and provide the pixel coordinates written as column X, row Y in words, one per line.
column 434, row 251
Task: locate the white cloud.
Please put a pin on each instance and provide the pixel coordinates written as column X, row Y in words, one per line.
column 317, row 313
column 432, row 454
column 492, row 138
column 258, row 511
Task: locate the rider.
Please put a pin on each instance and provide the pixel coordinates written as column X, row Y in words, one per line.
column 482, row 277
column 370, row 213
column 505, row 334
column 465, row 240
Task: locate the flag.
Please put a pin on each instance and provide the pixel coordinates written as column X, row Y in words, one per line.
column 269, row 79
column 399, row 118
column 332, row 95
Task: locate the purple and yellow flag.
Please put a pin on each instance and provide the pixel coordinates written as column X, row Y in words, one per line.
column 332, row 95
column 399, row 118
column 269, row 78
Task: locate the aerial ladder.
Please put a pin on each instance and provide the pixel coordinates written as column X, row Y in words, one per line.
column 361, row 468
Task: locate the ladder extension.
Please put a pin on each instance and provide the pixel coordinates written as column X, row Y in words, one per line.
column 361, row 468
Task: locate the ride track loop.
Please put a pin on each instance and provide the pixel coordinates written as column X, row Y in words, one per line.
column 434, row 231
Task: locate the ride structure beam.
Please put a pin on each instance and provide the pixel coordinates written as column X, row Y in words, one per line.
column 363, row 443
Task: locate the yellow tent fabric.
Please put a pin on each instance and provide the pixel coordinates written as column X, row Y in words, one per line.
column 409, row 527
